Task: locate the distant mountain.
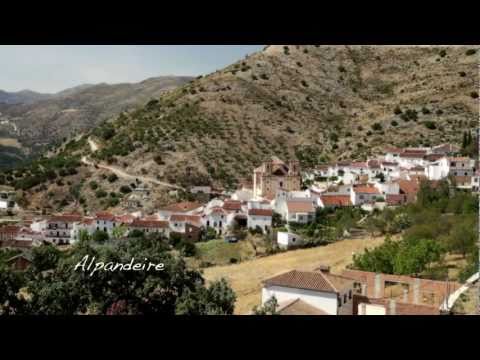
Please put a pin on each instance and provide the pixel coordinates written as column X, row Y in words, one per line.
column 36, row 124
column 22, row 97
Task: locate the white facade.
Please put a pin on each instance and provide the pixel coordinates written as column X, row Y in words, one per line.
column 324, row 301
column 388, row 188
column 287, row 240
column 262, row 221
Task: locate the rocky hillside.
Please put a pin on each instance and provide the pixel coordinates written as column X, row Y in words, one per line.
column 33, row 125
column 314, row 103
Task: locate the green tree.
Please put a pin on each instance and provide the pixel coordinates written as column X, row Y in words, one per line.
column 45, row 257
column 100, row 236
column 269, row 308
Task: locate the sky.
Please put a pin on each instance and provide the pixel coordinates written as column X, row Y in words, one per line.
column 49, row 69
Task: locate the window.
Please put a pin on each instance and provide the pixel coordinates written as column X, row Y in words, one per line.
column 345, row 298
column 350, row 294
column 339, row 299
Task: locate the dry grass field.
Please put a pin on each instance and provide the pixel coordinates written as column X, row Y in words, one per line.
column 246, row 277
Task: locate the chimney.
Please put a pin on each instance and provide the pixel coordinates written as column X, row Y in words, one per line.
column 324, row 269
column 392, row 304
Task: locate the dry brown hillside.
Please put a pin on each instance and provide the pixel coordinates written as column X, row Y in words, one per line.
column 314, row 103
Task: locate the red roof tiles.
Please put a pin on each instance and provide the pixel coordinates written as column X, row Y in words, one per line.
column 260, row 212
column 336, row 200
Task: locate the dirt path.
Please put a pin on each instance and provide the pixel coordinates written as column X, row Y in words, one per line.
column 123, row 174
column 246, row 278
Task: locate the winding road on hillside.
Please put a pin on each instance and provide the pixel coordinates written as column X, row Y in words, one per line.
column 123, row 174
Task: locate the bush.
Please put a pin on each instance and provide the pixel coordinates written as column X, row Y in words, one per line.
column 397, row 111
column 430, row 125
column 112, row 178
column 471, row 52
column 125, row 189
column 474, row 95
column 462, row 73
column 100, row 194
column 342, row 69
column 442, row 53
column 425, row 111
column 188, row 249
column 409, row 114
column 394, row 123
column 377, row 127
column 100, row 236
column 93, row 185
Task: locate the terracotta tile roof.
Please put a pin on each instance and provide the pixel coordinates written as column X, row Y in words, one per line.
column 298, row 307
column 217, row 210
column 182, row 206
column 10, row 229
column 260, row 212
column 358, row 165
column 232, row 205
column 191, row 219
column 151, row 224
column 389, row 163
column 413, row 154
column 315, row 281
column 394, row 199
column 336, row 200
column 458, row 159
column 401, row 308
column 66, row 218
column 373, row 164
column 409, row 186
column 366, row 190
column 125, row 219
column 300, row 207
column 433, row 157
column 105, row 216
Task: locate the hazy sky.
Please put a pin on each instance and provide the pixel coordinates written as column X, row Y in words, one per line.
column 50, row 69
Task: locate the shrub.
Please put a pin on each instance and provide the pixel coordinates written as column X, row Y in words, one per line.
column 100, row 194
column 125, row 189
column 409, row 114
column 100, row 236
column 304, row 83
column 112, row 178
column 442, row 53
column 474, row 95
column 394, row 123
column 377, row 127
column 397, row 111
column 425, row 111
column 342, row 69
column 462, row 73
column 471, row 52
column 430, row 125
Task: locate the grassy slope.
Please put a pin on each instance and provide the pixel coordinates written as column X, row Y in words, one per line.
column 246, row 278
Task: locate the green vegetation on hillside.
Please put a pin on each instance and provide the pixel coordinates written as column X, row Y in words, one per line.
column 439, row 223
